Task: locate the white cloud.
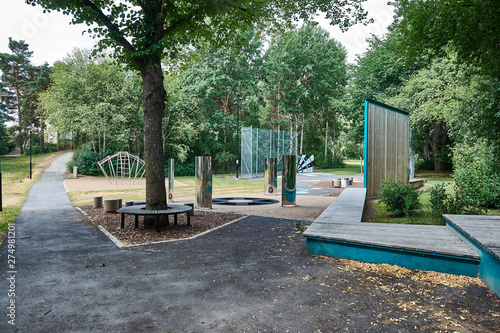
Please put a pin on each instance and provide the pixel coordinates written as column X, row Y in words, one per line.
column 49, row 35
column 355, row 38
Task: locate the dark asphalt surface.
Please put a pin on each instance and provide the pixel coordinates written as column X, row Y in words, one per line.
column 251, row 276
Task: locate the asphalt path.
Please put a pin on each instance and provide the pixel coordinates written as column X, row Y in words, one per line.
column 251, row 276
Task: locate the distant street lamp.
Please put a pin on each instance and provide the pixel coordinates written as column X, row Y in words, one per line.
column 30, row 130
column 237, row 101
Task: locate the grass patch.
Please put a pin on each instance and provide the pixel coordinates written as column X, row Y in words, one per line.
column 377, row 212
column 352, row 168
column 16, row 183
column 221, row 185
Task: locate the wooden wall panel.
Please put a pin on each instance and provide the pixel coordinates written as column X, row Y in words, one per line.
column 387, row 151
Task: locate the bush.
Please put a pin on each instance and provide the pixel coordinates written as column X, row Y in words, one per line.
column 36, row 149
column 443, row 203
column 186, row 169
column 321, row 163
column 86, row 160
column 399, row 198
column 477, row 175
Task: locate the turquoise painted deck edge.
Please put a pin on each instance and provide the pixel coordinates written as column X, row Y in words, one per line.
column 489, row 272
column 489, row 268
column 386, row 255
column 464, row 237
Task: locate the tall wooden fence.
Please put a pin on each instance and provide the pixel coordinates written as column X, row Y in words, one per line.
column 387, row 152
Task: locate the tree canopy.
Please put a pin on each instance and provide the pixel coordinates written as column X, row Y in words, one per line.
column 469, row 27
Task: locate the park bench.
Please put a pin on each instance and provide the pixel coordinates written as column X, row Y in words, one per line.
column 138, row 210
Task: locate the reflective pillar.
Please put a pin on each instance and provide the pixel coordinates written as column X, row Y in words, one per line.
column 270, row 176
column 288, row 190
column 203, row 181
column 170, row 180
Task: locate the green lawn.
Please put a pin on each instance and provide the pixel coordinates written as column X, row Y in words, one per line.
column 221, row 184
column 16, row 183
column 352, row 168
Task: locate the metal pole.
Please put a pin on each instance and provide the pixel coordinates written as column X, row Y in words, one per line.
column 238, row 102
column 30, row 156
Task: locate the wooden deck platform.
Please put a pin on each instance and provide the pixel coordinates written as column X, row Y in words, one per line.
column 339, row 232
column 482, row 233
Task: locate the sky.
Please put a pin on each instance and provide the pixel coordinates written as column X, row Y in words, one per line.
column 51, row 37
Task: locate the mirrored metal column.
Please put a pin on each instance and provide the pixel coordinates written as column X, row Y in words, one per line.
column 170, row 180
column 270, row 176
column 203, row 181
column 288, row 190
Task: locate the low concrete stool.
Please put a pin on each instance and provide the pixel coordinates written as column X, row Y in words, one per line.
column 191, row 212
column 97, row 202
column 112, row 205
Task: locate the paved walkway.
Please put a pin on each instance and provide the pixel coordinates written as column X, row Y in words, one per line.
column 252, row 276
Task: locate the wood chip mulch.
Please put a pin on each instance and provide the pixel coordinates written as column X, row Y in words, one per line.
column 202, row 221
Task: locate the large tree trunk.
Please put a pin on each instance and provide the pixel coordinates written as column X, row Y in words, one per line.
column 302, row 134
column 153, row 99
column 326, row 139
column 438, row 140
column 42, row 137
column 334, row 137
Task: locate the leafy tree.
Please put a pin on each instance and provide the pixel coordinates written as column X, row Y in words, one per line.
column 97, row 99
column 434, row 99
column 306, row 77
column 212, row 83
column 142, row 32
column 22, row 82
column 470, row 30
column 380, row 74
column 4, row 116
column 469, row 27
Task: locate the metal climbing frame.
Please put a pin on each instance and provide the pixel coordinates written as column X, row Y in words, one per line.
column 258, row 144
column 122, row 166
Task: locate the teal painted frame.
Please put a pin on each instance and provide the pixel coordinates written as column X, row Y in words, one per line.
column 386, row 255
column 489, row 268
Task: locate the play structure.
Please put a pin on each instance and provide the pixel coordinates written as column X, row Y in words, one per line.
column 122, row 167
column 305, row 163
column 203, row 181
column 289, row 181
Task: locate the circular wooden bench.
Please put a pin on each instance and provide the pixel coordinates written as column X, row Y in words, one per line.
column 141, row 210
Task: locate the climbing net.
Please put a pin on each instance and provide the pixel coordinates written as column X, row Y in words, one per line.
column 122, row 167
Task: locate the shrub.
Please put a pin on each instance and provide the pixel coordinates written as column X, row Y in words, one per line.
column 186, row 169
column 443, row 203
column 439, row 201
column 86, row 160
column 36, row 149
column 399, row 198
column 477, row 175
column 321, row 163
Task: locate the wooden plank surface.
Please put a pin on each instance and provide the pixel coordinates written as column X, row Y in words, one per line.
column 434, row 239
column 484, row 229
column 347, row 208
